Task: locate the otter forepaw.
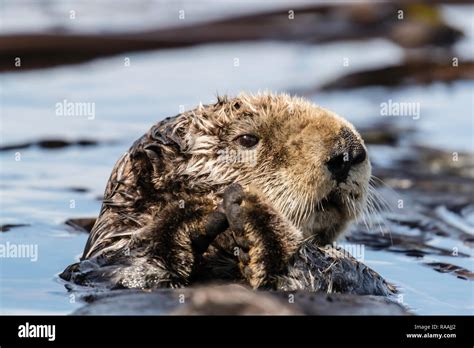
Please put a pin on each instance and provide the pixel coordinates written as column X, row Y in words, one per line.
column 264, row 240
column 178, row 238
column 216, row 223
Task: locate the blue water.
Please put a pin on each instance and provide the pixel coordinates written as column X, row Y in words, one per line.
column 36, row 189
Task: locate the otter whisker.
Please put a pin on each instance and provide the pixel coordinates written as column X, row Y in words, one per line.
column 376, row 208
column 378, row 199
column 374, row 178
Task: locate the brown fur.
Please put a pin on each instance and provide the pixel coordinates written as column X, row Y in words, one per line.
column 168, row 192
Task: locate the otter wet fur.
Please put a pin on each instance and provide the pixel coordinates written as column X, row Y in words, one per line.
column 249, row 189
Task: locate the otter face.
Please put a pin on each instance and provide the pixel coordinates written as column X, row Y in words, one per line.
column 309, row 163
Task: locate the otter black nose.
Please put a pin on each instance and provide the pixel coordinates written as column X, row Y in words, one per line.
column 346, row 155
column 340, row 164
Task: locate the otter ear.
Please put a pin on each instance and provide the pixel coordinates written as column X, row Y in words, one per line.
column 159, row 142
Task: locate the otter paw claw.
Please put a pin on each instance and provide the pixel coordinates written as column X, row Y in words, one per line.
column 233, row 197
column 216, row 223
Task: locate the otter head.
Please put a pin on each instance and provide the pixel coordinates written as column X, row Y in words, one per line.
column 309, row 163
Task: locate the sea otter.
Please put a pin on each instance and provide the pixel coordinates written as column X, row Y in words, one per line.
column 249, row 189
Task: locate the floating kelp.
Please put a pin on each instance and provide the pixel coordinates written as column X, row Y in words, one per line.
column 49, row 144
column 418, row 72
column 8, row 227
column 234, row 300
column 309, row 23
column 81, row 224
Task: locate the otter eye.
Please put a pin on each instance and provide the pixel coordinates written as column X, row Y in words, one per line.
column 247, row 140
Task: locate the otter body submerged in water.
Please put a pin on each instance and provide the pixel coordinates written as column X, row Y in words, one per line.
column 248, row 189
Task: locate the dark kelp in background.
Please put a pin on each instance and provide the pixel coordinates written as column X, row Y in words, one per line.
column 351, row 59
